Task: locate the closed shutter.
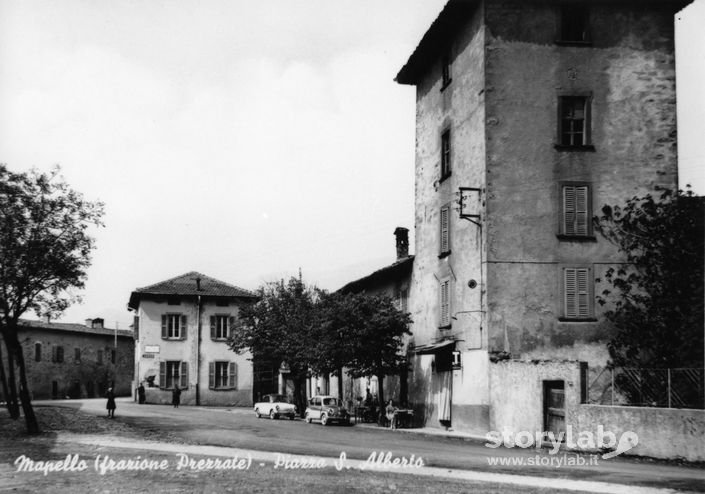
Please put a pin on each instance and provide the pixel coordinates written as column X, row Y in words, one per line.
column 577, row 293
column 231, row 325
column 136, row 327
column 445, row 303
column 445, row 230
column 53, row 353
column 165, row 334
column 162, row 375
column 576, row 210
column 213, row 328
column 211, row 375
column 184, row 375
column 183, row 327
column 233, row 375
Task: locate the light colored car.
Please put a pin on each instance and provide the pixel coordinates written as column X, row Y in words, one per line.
column 327, row 409
column 275, row 406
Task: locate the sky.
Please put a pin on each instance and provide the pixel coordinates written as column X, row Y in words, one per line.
column 241, row 139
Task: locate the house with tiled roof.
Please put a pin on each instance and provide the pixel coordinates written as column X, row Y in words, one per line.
column 66, row 360
column 182, row 326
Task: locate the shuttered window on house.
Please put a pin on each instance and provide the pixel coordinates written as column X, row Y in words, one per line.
column 221, row 325
column 173, row 372
column 174, row 326
column 576, row 288
column 222, row 375
column 576, row 210
column 444, row 320
column 445, row 230
column 37, row 352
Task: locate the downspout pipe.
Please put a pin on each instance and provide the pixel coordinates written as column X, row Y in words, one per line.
column 198, row 351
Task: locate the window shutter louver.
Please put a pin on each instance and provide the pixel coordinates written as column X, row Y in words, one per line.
column 183, row 327
column 231, row 325
column 581, row 210
column 445, row 303
column 184, row 375
column 569, row 210
column 165, row 335
column 233, row 375
column 583, row 307
column 211, row 375
column 213, row 334
column 162, row 375
column 445, row 230
column 570, row 292
column 53, row 353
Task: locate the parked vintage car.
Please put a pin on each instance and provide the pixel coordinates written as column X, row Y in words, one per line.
column 327, row 409
column 275, row 406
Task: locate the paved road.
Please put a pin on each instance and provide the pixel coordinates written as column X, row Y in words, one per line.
column 240, row 428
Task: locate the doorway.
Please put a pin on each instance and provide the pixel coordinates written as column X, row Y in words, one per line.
column 554, row 407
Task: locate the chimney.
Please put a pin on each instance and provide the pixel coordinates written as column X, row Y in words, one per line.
column 98, row 323
column 402, row 235
column 89, row 323
column 198, row 283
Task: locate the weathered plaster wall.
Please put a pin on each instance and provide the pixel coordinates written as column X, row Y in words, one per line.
column 87, row 378
column 663, row 432
column 516, row 393
column 458, row 107
column 150, row 313
column 629, row 71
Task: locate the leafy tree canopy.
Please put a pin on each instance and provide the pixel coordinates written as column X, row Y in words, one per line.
column 656, row 297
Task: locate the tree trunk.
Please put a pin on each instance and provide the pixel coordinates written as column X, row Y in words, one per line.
column 340, row 385
column 12, row 399
column 299, row 395
column 380, row 399
column 14, row 348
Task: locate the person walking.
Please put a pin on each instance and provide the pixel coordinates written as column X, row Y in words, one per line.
column 141, row 397
column 176, row 396
column 111, row 403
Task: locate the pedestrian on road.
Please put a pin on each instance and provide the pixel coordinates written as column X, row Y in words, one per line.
column 176, row 396
column 141, row 398
column 390, row 415
column 111, row 403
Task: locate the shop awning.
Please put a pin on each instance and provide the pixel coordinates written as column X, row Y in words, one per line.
column 433, row 347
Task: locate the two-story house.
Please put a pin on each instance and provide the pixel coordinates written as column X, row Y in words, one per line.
column 530, row 116
column 182, row 326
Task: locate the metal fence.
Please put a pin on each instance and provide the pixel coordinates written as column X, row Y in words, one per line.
column 664, row 388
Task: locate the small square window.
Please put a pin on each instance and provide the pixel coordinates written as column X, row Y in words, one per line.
column 445, row 154
column 574, row 23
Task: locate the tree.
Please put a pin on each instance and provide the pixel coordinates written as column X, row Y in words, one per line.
column 279, row 327
column 366, row 336
column 657, row 295
column 44, row 253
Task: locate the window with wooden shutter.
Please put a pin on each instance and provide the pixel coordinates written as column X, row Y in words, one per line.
column 444, row 320
column 231, row 325
column 59, row 354
column 184, row 375
column 165, row 333
column 53, row 353
column 219, row 327
column 576, row 289
column 212, row 319
column 162, row 375
column 37, row 352
column 183, row 327
column 576, row 210
column 445, row 155
column 211, row 375
column 445, row 230
column 233, row 375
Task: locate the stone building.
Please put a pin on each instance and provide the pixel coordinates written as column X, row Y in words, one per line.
column 393, row 281
column 76, row 360
column 181, row 330
column 530, row 116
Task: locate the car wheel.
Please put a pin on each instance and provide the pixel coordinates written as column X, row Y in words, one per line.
column 291, row 417
column 257, row 413
column 324, row 419
column 307, row 418
column 272, row 415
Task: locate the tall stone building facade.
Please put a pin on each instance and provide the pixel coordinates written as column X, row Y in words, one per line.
column 530, row 117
